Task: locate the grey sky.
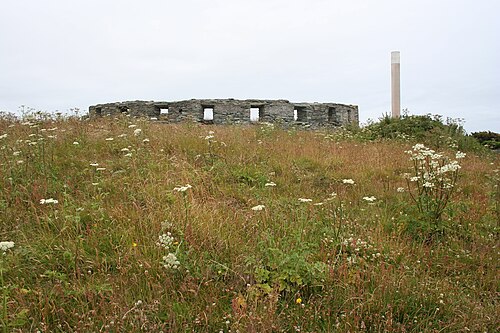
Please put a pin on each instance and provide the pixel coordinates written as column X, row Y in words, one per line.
column 57, row 55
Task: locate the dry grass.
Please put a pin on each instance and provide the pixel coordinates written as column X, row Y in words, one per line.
column 91, row 262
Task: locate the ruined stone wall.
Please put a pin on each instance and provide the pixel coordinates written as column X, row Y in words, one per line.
column 232, row 111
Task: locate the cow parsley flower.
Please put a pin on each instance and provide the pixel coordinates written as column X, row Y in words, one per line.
column 48, row 201
column 170, row 261
column 5, row 245
column 258, row 207
column 400, row 189
column 137, row 131
column 182, row 188
column 370, row 199
column 460, row 155
column 165, row 240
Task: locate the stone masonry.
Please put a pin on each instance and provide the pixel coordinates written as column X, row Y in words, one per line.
column 233, row 111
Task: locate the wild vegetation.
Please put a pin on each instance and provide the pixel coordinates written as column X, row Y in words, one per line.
column 126, row 225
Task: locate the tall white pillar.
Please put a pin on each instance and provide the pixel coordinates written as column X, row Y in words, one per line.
column 396, row 84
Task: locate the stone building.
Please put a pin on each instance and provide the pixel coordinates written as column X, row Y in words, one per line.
column 233, row 111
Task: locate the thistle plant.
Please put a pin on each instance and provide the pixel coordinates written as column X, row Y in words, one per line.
column 433, row 180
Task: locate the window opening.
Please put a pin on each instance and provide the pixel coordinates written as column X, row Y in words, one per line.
column 208, row 113
column 332, row 115
column 300, row 114
column 255, row 113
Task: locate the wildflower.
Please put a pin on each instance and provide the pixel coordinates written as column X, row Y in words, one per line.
column 460, row 155
column 414, row 179
column 182, row 188
column 170, row 261
column 258, row 207
column 400, row 189
column 125, row 149
column 122, row 135
column 3, row 136
column 109, row 139
column 145, row 140
column 428, row 185
column 128, row 155
column 100, row 169
column 48, row 201
column 16, row 153
column 348, row 181
column 137, row 131
column 95, row 184
column 208, row 137
column 319, row 204
column 134, row 244
column 94, row 164
column 5, row 245
column 165, row 240
column 370, row 199
column 132, row 126
column 76, row 143
column 305, row 200
column 272, row 184
column 211, row 132
column 298, row 300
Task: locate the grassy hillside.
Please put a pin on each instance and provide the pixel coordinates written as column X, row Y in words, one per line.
column 122, row 225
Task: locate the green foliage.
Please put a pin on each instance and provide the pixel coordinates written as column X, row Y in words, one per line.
column 427, row 129
column 488, row 139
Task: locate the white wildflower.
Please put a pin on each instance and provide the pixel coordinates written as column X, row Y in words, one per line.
column 209, row 137
column 125, row 149
column 370, row 199
column 414, row 179
column 100, row 169
column 182, row 188
column 109, row 139
column 137, row 132
column 170, row 261
column 76, row 143
column 5, row 245
column 428, row 185
column 348, row 181
column 16, row 153
column 132, row 126
column 258, row 207
column 460, row 155
column 272, row 184
column 94, row 164
column 165, row 240
column 3, row 136
column 305, row 200
column 145, row 140
column 48, row 201
column 400, row 189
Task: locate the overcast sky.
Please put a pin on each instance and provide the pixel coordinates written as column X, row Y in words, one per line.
column 57, row 55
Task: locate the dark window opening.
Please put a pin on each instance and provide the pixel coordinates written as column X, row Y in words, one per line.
column 300, row 114
column 332, row 115
column 124, row 109
column 208, row 113
column 98, row 111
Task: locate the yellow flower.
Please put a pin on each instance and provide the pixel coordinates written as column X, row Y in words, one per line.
column 134, row 244
column 298, row 300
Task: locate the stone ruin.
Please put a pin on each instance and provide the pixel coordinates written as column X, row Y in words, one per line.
column 233, row 111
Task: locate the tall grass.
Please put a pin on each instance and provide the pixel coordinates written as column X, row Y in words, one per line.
column 94, row 261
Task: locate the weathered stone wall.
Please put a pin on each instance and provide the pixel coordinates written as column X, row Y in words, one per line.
column 232, row 111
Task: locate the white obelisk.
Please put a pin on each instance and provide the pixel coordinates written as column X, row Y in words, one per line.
column 395, row 84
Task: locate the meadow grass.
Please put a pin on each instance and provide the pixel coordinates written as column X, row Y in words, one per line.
column 126, row 246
